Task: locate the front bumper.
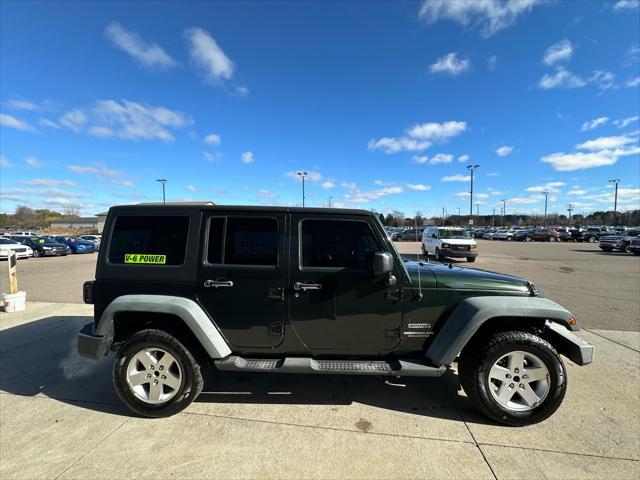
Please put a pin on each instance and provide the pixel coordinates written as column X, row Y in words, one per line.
column 449, row 252
column 634, row 248
column 579, row 351
column 618, row 245
column 91, row 345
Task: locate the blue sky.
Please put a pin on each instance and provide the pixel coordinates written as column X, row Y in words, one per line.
column 383, row 103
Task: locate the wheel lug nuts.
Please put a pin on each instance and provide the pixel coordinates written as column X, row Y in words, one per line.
column 155, row 382
column 152, row 367
column 525, row 376
column 164, row 377
column 522, row 385
column 516, row 371
column 161, row 367
column 148, row 375
column 511, row 385
column 508, row 376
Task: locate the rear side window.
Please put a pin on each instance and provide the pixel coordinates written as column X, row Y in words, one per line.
column 243, row 241
column 149, row 240
column 337, row 244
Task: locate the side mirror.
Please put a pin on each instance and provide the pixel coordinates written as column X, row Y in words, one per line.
column 434, row 236
column 382, row 263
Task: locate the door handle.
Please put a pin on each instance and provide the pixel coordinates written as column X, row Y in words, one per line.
column 217, row 283
column 307, row 286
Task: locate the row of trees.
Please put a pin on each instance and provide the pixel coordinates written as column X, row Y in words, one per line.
column 628, row 218
column 25, row 217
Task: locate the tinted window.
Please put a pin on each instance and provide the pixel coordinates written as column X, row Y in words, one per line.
column 334, row 243
column 251, row 241
column 163, row 239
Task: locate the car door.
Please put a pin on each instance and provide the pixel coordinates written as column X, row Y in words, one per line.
column 336, row 302
column 241, row 276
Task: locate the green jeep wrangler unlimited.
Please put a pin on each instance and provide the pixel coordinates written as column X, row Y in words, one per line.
column 182, row 287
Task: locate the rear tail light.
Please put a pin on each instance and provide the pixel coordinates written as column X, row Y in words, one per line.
column 87, row 292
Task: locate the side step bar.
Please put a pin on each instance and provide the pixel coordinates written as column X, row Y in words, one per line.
column 396, row 367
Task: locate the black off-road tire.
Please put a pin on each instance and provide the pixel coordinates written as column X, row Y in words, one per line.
column 192, row 381
column 438, row 255
column 471, row 259
column 36, row 253
column 424, row 252
column 606, row 249
column 477, row 358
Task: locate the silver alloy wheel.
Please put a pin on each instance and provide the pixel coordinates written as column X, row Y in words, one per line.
column 519, row 381
column 154, row 375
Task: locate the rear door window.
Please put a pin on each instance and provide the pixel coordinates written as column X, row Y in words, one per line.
column 243, row 241
column 149, row 240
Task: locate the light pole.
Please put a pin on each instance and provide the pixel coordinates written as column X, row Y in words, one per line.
column 615, row 202
column 443, row 216
column 472, row 169
column 546, row 198
column 330, row 198
column 458, row 211
column 569, row 209
column 162, row 181
column 477, row 210
column 303, row 175
column 493, row 219
column 504, row 209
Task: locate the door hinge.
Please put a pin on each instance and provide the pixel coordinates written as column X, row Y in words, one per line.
column 392, row 333
column 393, row 294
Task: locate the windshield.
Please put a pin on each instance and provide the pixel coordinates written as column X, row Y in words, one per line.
column 43, row 241
column 6, row 241
column 446, row 233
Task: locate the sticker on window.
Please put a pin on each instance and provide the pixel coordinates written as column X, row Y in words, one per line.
column 144, row 258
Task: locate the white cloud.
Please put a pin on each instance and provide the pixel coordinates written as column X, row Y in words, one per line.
column 626, row 5
column 492, row 174
column 7, row 120
column 547, row 187
column 576, row 191
column 625, row 122
column 49, row 182
column 603, row 79
column 74, row 120
column 4, row 163
column 191, row 188
column 145, row 54
column 33, row 162
column 22, row 105
column 456, row 178
column 208, row 57
column 418, row 186
column 437, row 132
column 126, row 120
column 247, row 157
column 366, row 197
column 45, row 122
column 99, row 169
column 212, row 139
column 504, row 151
column 100, row 132
column 566, row 162
column 563, row 78
column 586, row 126
column 265, row 194
column 558, row 52
column 492, row 62
column 436, row 159
column 522, row 200
column 392, row 145
column 327, row 185
column 633, row 82
column 606, row 143
column 450, row 64
column 490, row 16
column 211, row 157
column 349, row 185
column 463, row 158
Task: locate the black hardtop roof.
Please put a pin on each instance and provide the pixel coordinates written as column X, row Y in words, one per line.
column 209, row 207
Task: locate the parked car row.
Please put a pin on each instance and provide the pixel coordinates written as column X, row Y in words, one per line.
column 547, row 234
column 27, row 246
column 628, row 241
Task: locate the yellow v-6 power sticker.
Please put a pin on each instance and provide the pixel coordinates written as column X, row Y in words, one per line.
column 144, row 258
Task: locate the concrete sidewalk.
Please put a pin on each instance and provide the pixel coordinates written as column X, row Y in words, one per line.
column 60, row 418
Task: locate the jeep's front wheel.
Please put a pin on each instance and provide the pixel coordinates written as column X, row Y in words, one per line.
column 514, row 378
column 155, row 375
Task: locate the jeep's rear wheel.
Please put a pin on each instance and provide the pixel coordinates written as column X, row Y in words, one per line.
column 515, row 378
column 155, row 375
